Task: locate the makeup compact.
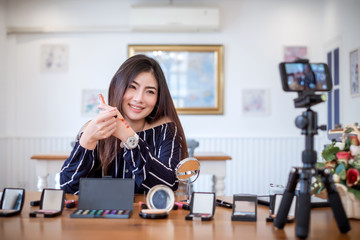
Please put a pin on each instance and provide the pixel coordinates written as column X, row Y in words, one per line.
column 160, row 201
column 244, row 207
column 51, row 203
column 105, row 198
column 12, row 201
column 275, row 205
column 202, row 206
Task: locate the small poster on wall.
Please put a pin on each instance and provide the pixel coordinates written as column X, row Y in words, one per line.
column 255, row 101
column 91, row 101
column 54, row 57
column 354, row 73
column 292, row 53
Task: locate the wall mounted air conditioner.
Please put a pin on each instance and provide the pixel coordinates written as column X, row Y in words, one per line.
column 174, row 18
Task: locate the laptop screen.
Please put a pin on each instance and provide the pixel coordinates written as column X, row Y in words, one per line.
column 106, row 193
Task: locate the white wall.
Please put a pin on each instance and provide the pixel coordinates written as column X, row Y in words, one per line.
column 341, row 20
column 253, row 34
column 3, row 88
column 2, row 66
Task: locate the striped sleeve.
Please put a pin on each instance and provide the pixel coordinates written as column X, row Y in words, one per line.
column 153, row 163
column 81, row 163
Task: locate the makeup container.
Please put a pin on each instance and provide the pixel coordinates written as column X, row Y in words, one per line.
column 12, row 201
column 51, row 203
column 244, row 207
column 160, row 201
column 202, row 206
column 105, row 198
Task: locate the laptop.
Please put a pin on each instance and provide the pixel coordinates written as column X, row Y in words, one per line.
column 105, row 198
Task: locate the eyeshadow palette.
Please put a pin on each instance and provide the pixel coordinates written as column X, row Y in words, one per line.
column 105, row 198
column 101, row 214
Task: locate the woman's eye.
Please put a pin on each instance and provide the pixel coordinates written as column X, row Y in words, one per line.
column 151, row 92
column 132, row 86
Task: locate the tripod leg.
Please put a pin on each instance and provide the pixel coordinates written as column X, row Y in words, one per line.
column 281, row 215
column 335, row 202
column 304, row 205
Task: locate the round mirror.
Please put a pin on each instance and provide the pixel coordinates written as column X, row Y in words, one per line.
column 188, row 170
column 160, row 197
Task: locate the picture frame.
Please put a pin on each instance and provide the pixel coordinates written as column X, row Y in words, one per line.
column 291, row 53
column 90, row 101
column 255, row 102
column 194, row 74
column 54, row 58
column 354, row 73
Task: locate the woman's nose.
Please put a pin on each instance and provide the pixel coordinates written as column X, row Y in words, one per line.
column 138, row 96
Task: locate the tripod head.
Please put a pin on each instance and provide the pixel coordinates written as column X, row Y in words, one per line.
column 307, row 122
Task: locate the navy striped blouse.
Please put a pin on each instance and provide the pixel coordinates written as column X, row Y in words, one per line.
column 151, row 163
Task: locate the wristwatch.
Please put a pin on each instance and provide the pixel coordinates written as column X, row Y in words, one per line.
column 131, row 142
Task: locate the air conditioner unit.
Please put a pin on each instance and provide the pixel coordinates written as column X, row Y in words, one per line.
column 174, row 18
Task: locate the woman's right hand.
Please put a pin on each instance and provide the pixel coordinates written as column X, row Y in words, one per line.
column 101, row 127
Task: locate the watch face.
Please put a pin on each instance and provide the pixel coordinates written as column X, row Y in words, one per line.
column 132, row 142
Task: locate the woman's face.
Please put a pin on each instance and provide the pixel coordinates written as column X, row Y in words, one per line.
column 140, row 98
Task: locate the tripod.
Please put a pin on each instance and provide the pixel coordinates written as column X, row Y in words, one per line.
column 308, row 123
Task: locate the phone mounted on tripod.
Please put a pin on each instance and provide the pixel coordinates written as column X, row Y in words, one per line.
column 307, row 78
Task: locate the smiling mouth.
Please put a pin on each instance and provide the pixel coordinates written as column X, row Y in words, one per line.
column 136, row 107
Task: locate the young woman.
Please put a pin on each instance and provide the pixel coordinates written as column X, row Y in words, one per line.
column 137, row 135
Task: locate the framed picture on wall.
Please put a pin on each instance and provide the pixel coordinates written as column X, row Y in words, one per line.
column 90, row 101
column 354, row 73
column 54, row 57
column 256, row 101
column 193, row 74
column 291, row 53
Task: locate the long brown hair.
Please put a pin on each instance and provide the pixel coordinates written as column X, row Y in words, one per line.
column 164, row 106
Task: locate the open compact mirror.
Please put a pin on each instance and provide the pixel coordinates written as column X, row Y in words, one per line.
column 187, row 171
column 12, row 201
column 160, row 200
column 202, row 206
column 51, row 203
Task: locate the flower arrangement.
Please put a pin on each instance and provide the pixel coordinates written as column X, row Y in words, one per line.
column 343, row 159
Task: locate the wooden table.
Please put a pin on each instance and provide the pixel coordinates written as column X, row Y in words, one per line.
column 323, row 226
column 210, row 163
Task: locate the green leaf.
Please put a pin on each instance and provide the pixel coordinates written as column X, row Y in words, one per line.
column 320, row 165
column 356, row 163
column 341, row 171
column 349, row 130
column 355, row 192
column 329, row 153
column 347, row 144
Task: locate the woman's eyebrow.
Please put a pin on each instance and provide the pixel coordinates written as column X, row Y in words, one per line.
column 151, row 87
column 147, row 87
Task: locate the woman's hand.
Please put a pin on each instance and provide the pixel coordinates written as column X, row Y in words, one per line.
column 101, row 127
column 123, row 129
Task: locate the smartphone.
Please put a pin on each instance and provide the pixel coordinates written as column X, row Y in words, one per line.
column 298, row 77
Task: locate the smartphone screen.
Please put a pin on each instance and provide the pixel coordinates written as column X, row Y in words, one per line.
column 297, row 77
